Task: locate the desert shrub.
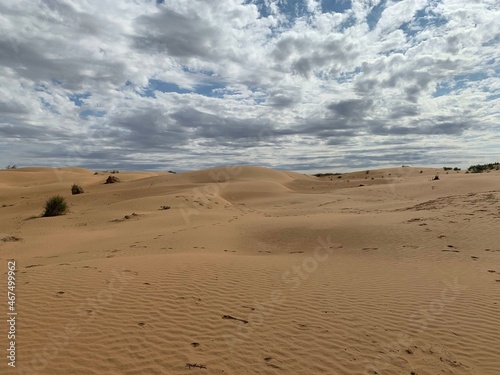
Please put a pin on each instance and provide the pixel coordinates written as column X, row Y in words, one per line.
column 165, row 208
column 456, row 169
column 55, row 206
column 447, row 168
column 11, row 167
column 480, row 168
column 112, row 180
column 76, row 189
column 435, row 178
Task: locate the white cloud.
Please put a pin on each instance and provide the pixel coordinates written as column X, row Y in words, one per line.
column 240, row 80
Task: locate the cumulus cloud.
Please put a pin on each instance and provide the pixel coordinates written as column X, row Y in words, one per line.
column 306, row 85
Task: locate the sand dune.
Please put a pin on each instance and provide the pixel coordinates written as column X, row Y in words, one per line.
column 255, row 271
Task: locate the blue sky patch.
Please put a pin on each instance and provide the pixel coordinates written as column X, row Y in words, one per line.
column 91, row 113
column 78, row 98
column 48, row 106
column 336, row 6
column 457, row 83
column 211, row 89
column 162, row 86
column 375, row 14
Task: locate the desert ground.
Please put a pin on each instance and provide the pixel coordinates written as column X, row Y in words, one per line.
column 253, row 271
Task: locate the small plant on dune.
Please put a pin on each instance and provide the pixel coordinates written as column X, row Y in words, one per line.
column 112, row 180
column 76, row 189
column 55, row 206
column 165, row 208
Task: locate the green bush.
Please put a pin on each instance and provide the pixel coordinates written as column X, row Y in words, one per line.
column 76, row 189
column 480, row 168
column 55, row 206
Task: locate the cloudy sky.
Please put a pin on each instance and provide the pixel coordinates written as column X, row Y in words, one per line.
column 304, row 85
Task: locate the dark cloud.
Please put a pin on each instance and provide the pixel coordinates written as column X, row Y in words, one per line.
column 24, row 132
column 209, row 126
column 445, row 128
column 399, row 112
column 55, row 53
column 306, row 55
column 350, row 109
column 285, row 97
column 13, row 109
column 179, row 35
column 149, row 128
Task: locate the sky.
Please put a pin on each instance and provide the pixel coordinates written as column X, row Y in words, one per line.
column 304, row 85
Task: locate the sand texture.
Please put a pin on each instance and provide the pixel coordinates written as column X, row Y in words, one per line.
column 254, row 271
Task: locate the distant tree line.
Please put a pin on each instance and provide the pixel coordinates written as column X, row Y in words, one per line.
column 480, row 168
column 326, row 174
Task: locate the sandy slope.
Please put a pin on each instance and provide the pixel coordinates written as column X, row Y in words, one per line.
column 255, row 271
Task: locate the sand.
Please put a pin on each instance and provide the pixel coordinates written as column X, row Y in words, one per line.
column 254, row 271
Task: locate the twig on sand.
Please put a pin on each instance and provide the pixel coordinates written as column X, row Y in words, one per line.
column 195, row 365
column 233, row 318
